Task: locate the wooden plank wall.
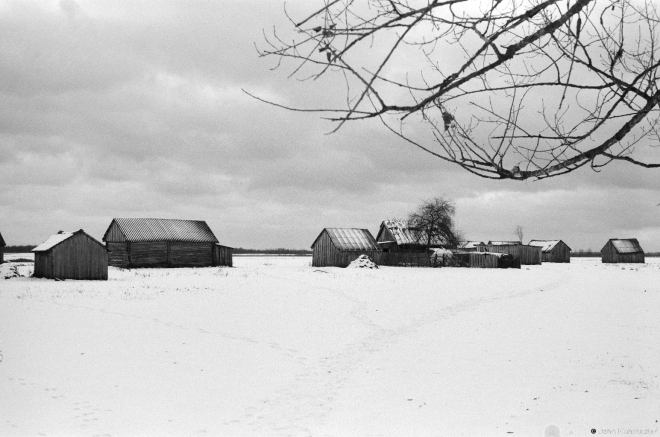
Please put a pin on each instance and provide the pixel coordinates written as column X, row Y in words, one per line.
column 77, row 257
column 222, row 255
column 528, row 255
column 2, row 255
column 114, row 234
column 559, row 254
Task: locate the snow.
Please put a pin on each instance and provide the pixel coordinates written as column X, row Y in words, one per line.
column 276, row 347
column 52, row 241
column 363, row 262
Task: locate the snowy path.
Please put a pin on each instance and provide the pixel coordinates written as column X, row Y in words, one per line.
column 275, row 347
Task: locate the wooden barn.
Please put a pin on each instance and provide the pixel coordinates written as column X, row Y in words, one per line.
column 553, row 251
column 396, row 236
column 71, row 255
column 151, row 242
column 337, row 247
column 622, row 250
column 528, row 255
column 2, row 249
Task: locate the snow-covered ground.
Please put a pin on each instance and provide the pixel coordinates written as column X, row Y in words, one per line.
column 276, row 347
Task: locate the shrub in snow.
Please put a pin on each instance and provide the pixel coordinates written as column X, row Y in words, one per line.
column 363, row 261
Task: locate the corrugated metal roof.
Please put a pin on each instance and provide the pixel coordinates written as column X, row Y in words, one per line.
column 402, row 234
column 153, row 229
column 626, row 245
column 503, row 243
column 547, row 245
column 352, row 239
column 53, row 241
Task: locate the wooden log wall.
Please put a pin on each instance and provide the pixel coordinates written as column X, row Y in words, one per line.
column 187, row 254
column 148, row 254
column 77, row 257
column 118, row 254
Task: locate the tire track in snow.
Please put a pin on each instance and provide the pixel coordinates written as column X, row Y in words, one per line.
column 300, row 407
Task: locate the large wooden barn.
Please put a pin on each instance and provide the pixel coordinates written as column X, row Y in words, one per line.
column 622, row 250
column 396, row 236
column 553, row 251
column 2, row 249
column 71, row 255
column 151, row 242
column 337, row 247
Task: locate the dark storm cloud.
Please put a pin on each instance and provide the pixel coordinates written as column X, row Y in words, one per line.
column 135, row 108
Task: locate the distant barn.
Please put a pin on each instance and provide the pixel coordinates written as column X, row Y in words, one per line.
column 151, row 242
column 337, row 247
column 71, row 255
column 470, row 246
column 2, row 249
column 553, row 251
column 395, row 235
column 622, row 250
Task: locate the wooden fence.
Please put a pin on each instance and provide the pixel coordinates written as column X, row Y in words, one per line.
column 528, row 255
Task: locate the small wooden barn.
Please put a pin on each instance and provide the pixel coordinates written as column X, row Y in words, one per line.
column 528, row 255
column 2, row 249
column 470, row 246
column 553, row 251
column 337, row 247
column 396, row 236
column 152, row 242
column 71, row 255
column 622, row 250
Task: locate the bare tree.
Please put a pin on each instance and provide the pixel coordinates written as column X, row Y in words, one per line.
column 433, row 221
column 518, row 232
column 508, row 89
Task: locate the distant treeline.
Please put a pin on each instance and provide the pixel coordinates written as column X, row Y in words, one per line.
column 280, row 251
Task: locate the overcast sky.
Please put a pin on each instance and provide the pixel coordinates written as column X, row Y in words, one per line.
column 134, row 109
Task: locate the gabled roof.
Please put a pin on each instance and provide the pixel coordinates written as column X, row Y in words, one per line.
column 2, row 241
column 547, row 245
column 350, row 239
column 626, row 245
column 403, row 235
column 153, row 229
column 470, row 244
column 56, row 239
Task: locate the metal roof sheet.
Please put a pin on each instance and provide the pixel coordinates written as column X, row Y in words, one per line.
column 503, row 243
column 402, row 234
column 626, row 245
column 53, row 241
column 153, row 229
column 352, row 239
column 471, row 244
column 546, row 245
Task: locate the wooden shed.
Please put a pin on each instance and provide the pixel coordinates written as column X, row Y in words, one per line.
column 553, row 251
column 622, row 250
column 396, row 236
column 528, row 255
column 2, row 249
column 337, row 247
column 71, row 255
column 152, row 242
column 470, row 246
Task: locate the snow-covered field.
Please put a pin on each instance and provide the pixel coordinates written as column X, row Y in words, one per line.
column 276, row 347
